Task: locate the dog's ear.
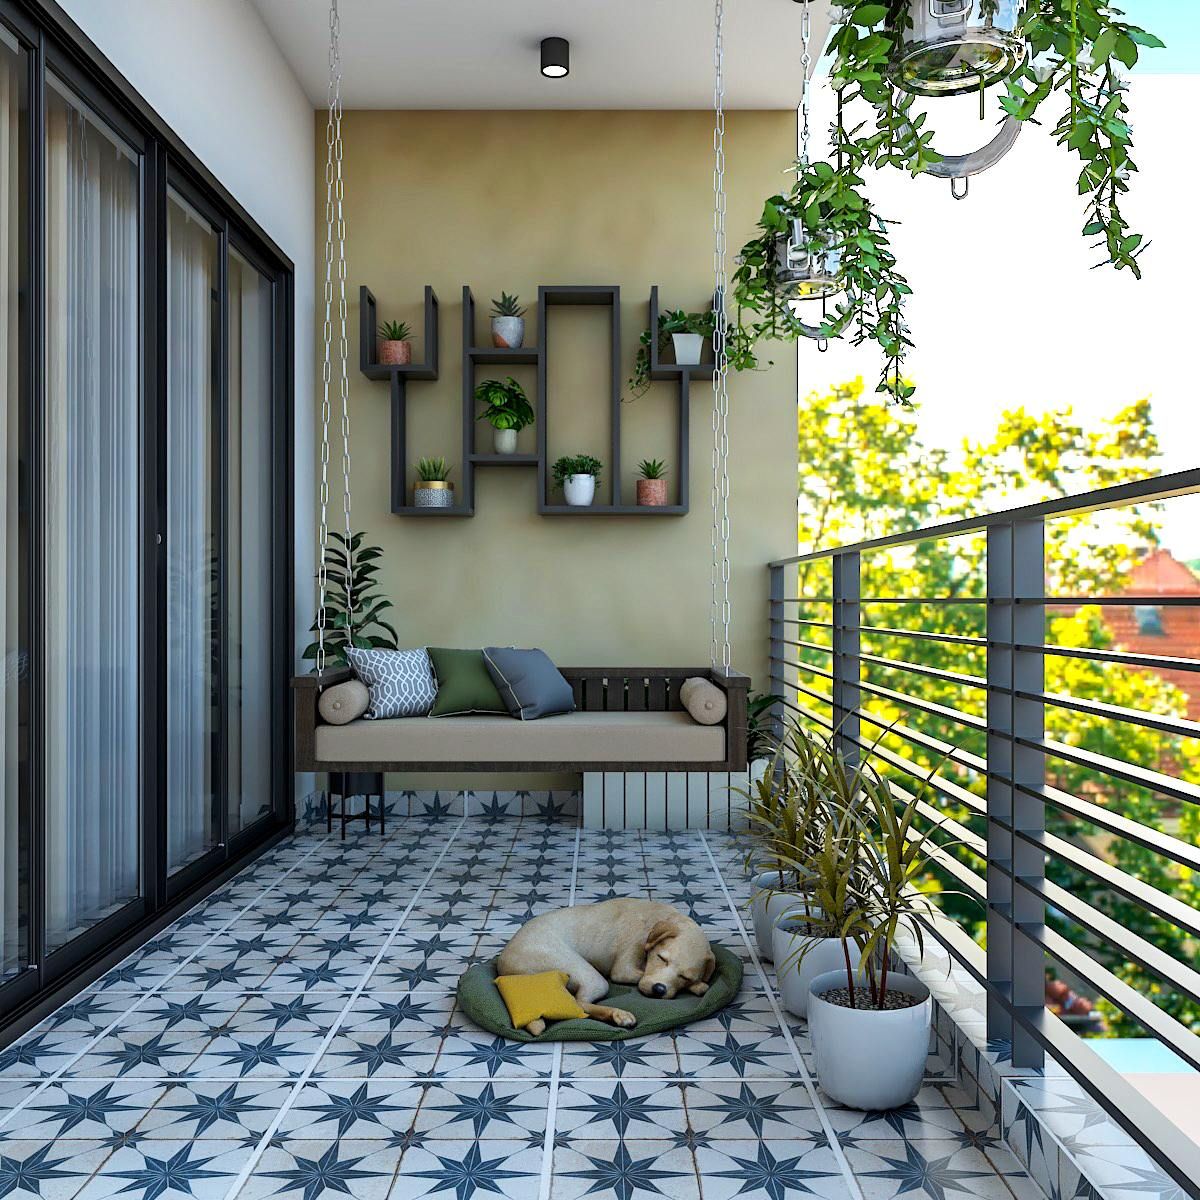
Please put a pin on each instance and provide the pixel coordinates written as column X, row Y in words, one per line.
column 701, row 986
column 659, row 933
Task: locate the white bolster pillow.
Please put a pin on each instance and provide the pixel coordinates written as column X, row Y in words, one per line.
column 704, row 700
column 344, row 702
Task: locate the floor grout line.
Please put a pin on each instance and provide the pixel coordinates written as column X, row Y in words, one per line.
column 834, row 1141
column 556, row 1066
column 272, row 1129
column 155, row 988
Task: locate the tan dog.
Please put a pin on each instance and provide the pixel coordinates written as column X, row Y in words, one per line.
column 625, row 941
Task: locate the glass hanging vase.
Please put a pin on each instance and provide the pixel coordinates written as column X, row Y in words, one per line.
column 806, row 264
column 951, row 47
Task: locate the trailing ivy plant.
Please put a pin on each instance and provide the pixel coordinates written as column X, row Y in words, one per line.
column 739, row 344
column 871, row 306
column 352, row 568
column 1076, row 51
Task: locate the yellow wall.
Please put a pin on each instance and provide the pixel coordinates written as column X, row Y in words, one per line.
column 510, row 201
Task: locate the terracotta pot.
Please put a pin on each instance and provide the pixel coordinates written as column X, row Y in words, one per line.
column 652, row 493
column 395, row 354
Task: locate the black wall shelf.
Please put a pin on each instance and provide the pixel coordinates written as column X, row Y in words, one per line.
column 474, row 356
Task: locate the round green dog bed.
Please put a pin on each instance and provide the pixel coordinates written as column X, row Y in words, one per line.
column 481, row 1001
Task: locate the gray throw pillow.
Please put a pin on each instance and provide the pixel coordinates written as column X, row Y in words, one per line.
column 529, row 683
column 401, row 681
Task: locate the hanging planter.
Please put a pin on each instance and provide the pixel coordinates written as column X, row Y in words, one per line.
column 885, row 55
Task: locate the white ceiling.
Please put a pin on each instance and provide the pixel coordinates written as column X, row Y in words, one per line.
column 483, row 54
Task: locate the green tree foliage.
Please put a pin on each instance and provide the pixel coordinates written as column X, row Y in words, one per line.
column 866, row 472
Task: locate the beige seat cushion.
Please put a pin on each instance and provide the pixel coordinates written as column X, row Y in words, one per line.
column 579, row 737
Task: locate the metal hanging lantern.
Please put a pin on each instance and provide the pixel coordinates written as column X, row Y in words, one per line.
column 806, row 264
column 951, row 47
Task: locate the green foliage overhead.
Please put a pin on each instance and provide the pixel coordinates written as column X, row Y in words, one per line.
column 432, row 470
column 652, row 468
column 575, row 464
column 352, row 568
column 395, row 331
column 507, row 405
column 508, row 306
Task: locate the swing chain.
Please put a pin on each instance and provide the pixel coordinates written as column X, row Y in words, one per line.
column 721, row 611
column 335, row 235
column 805, row 87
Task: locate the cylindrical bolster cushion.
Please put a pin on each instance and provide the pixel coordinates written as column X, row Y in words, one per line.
column 704, row 700
column 344, row 702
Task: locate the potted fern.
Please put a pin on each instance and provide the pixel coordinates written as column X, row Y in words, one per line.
column 652, row 483
column 351, row 570
column 395, row 345
column 433, row 488
column 508, row 322
column 576, row 475
column 508, row 411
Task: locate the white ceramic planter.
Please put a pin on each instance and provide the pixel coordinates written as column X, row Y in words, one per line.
column 767, row 905
column 688, row 348
column 504, row 441
column 799, row 959
column 579, row 490
column 864, row 1059
column 508, row 332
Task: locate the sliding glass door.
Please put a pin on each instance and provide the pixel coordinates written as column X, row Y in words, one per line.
column 91, row 513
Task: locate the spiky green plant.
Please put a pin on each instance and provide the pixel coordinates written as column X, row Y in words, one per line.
column 652, row 468
column 395, row 331
column 508, row 306
column 433, row 470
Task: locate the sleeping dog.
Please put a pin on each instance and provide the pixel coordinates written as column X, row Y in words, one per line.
column 625, row 941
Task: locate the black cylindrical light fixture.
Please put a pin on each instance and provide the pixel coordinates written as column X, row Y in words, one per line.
column 556, row 57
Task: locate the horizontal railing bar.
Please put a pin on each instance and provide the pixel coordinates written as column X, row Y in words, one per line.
column 1153, row 662
column 925, row 706
column 804, row 712
column 925, row 600
column 945, row 787
column 1164, row 1027
column 971, row 880
column 1160, row 487
column 1155, row 781
column 948, row 752
column 900, row 664
column 969, row 838
column 954, row 639
column 1181, row 915
column 1114, row 712
column 803, row 645
column 1118, row 601
column 802, row 621
column 803, row 600
column 808, row 668
column 958, row 943
column 1135, row 947
column 1104, row 818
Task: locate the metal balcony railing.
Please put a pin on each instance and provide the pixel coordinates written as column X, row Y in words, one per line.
column 993, row 707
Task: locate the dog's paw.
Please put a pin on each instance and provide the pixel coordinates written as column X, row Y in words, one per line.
column 623, row 1018
column 698, row 989
column 536, row 1026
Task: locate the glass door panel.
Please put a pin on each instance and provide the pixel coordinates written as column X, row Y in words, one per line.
column 91, row 564
column 193, row 545
column 14, row 516
column 248, row 571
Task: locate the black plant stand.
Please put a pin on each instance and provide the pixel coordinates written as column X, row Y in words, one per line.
column 345, row 784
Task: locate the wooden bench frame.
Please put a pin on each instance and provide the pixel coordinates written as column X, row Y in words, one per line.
column 597, row 689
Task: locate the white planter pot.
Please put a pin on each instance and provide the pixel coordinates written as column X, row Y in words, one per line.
column 767, row 905
column 504, row 441
column 799, row 959
column 508, row 332
column 688, row 348
column 579, row 490
column 864, row 1059
column 758, row 770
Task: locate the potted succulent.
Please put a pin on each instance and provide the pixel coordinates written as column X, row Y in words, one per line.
column 652, row 484
column 433, row 488
column 508, row 322
column 576, row 475
column 395, row 346
column 508, row 411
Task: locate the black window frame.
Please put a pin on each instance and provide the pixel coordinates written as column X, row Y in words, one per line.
column 53, row 44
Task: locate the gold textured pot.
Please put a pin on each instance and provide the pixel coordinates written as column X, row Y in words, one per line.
column 433, row 493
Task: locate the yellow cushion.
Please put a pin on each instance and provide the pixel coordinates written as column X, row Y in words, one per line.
column 528, row 997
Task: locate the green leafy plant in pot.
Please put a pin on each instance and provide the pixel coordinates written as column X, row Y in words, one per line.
column 351, row 570
column 577, row 476
column 688, row 331
column 395, row 344
column 433, row 488
column 652, row 483
column 508, row 322
column 507, row 410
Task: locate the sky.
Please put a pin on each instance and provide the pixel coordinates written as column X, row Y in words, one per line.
column 1178, row 24
column 1007, row 309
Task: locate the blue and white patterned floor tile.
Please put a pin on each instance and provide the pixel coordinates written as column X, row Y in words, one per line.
column 297, row 1035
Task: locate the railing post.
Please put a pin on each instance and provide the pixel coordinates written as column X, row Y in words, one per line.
column 847, row 619
column 1016, row 592
column 777, row 664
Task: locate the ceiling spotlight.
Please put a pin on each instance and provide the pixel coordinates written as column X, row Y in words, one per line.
column 556, row 57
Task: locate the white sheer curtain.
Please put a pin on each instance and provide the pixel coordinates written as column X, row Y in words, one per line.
column 191, row 551
column 91, row 520
column 11, row 918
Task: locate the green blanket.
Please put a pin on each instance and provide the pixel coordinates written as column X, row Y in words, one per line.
column 481, row 1001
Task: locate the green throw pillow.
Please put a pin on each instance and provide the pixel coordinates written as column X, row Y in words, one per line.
column 463, row 684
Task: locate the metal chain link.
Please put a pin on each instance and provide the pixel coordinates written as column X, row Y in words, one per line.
column 721, row 611
column 805, row 89
column 335, row 234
